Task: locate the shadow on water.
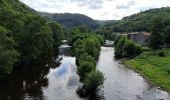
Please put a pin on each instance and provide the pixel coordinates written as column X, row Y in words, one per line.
column 26, row 81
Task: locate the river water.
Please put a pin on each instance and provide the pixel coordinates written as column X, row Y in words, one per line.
column 124, row 84
column 37, row 82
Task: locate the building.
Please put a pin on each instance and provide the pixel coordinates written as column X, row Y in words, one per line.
column 141, row 38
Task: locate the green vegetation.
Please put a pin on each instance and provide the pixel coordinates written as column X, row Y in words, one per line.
column 93, row 80
column 126, row 48
column 25, row 36
column 8, row 54
column 84, row 68
column 153, row 67
column 139, row 22
column 86, row 48
column 156, row 38
column 72, row 20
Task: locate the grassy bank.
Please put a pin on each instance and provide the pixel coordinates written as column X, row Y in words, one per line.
column 155, row 68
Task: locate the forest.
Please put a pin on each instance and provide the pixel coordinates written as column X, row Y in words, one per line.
column 25, row 36
column 137, row 22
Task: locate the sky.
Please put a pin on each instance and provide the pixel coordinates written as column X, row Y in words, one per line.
column 97, row 9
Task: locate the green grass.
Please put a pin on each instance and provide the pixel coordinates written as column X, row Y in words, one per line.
column 156, row 69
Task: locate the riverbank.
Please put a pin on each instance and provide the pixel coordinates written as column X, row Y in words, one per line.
column 154, row 68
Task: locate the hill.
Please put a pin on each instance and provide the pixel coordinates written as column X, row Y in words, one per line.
column 72, row 20
column 140, row 21
column 105, row 22
column 137, row 22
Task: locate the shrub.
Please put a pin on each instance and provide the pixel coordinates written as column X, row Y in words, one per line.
column 161, row 54
column 85, row 57
column 84, row 68
column 127, row 48
column 130, row 49
column 168, row 70
column 93, row 81
column 118, row 48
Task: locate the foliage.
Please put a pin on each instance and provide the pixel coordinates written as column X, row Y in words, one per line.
column 84, row 68
column 8, row 54
column 161, row 53
column 140, row 22
column 127, row 48
column 93, row 81
column 156, row 38
column 72, row 20
column 113, row 36
column 85, row 58
column 119, row 47
column 86, row 48
column 26, row 33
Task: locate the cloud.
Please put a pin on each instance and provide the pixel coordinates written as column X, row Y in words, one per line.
column 126, row 5
column 97, row 9
column 91, row 4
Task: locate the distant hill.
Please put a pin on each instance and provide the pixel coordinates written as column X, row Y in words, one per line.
column 72, row 20
column 136, row 22
column 140, row 21
column 106, row 22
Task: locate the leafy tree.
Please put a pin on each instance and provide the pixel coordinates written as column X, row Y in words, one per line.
column 93, row 80
column 156, row 38
column 84, row 68
column 130, row 49
column 24, row 32
column 167, row 35
column 8, row 54
column 126, row 48
column 113, row 36
column 119, row 48
column 58, row 35
column 85, row 57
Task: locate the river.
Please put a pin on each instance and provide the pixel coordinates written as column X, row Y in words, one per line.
column 60, row 83
column 124, row 84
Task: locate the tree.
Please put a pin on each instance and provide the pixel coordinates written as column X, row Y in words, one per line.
column 119, row 47
column 85, row 57
column 156, row 38
column 84, row 68
column 93, row 80
column 8, row 54
column 113, row 36
column 130, row 49
column 57, row 32
column 167, row 35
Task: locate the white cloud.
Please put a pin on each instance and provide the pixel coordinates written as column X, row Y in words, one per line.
column 97, row 9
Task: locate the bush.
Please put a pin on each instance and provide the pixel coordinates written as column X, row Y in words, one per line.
column 168, row 70
column 127, row 48
column 93, row 81
column 118, row 48
column 84, row 68
column 130, row 49
column 85, row 57
column 161, row 54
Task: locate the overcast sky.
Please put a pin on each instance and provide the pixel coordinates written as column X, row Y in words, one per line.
column 97, row 9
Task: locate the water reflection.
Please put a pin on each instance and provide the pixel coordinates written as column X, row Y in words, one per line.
column 25, row 82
